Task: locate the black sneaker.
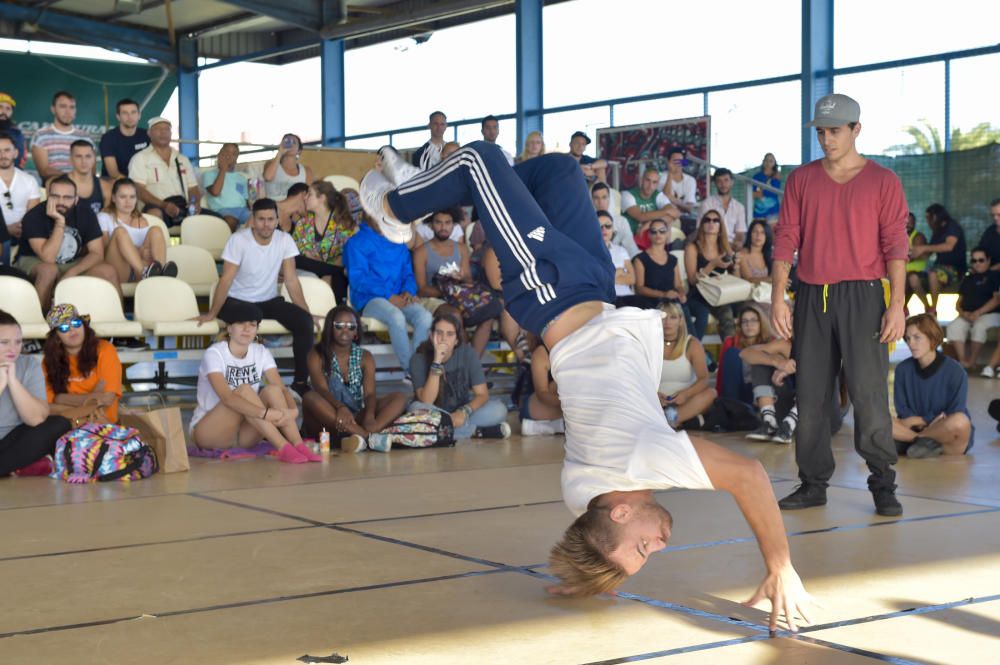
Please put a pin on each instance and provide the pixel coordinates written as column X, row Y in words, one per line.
column 169, row 269
column 804, row 496
column 785, row 433
column 154, row 269
column 886, row 503
column 901, row 447
column 924, row 446
column 762, row 433
column 501, row 431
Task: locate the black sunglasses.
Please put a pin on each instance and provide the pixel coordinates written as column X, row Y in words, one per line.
column 657, row 232
column 8, row 202
column 344, row 325
column 980, row 260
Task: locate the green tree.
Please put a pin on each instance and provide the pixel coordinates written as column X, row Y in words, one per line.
column 927, row 139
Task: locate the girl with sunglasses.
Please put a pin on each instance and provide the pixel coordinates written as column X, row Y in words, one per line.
column 78, row 366
column 657, row 272
column 708, row 254
column 342, row 374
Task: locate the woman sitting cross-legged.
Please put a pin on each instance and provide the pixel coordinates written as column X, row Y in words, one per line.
column 447, row 376
column 930, row 395
column 235, row 407
column 79, row 368
column 28, row 433
column 685, row 386
column 733, row 378
column 541, row 411
column 343, row 397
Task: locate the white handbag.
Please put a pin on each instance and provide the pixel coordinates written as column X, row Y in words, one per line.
column 723, row 289
column 761, row 292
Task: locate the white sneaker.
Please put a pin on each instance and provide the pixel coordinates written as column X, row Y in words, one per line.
column 354, row 443
column 987, row 373
column 374, row 187
column 379, row 442
column 396, row 169
column 531, row 427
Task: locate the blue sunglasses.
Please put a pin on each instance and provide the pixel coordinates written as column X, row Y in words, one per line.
column 64, row 327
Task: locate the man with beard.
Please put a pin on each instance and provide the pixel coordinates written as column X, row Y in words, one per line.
column 62, row 239
column 734, row 214
column 50, row 144
column 8, row 127
column 18, row 192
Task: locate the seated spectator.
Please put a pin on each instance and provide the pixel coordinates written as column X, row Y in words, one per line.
column 91, row 191
column 28, row 432
column 60, row 240
column 293, row 207
column 541, row 411
column 166, row 180
column 490, row 129
column 680, row 188
column 734, row 214
column 657, row 272
column 10, row 128
column 600, row 195
column 284, row 170
column 510, row 331
column 708, row 254
column 322, row 234
column 915, row 267
column 383, row 288
column 252, row 260
column 534, row 146
column 978, row 310
column 429, row 154
column 755, row 258
column 771, row 367
column 685, row 390
column 948, row 244
column 624, row 272
column 18, row 190
column 732, row 380
column 442, row 259
column 766, row 203
column 50, row 144
column 642, row 204
column 227, row 190
column 235, row 408
column 990, row 240
column 342, row 374
column 930, row 392
column 425, row 228
column 447, row 376
column 594, row 170
column 78, row 366
column 119, row 144
column 135, row 249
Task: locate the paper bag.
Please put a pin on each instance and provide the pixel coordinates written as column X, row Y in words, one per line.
column 163, row 430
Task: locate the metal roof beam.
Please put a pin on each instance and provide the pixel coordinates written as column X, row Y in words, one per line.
column 313, row 15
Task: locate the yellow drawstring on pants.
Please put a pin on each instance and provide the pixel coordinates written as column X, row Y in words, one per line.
column 886, row 292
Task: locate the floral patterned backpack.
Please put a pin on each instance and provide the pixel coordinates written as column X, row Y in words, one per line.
column 422, row 428
column 101, row 452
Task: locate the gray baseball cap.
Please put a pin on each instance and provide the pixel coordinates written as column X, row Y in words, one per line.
column 835, row 110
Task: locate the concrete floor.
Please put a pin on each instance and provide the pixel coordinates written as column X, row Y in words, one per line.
column 438, row 556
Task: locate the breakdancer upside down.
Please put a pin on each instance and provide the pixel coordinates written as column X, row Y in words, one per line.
column 558, row 279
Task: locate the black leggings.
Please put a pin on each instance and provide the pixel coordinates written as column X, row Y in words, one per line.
column 25, row 444
column 338, row 276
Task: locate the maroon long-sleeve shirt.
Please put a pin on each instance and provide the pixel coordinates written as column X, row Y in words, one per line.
column 843, row 231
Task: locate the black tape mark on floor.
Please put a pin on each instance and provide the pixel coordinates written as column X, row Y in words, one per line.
column 885, row 658
column 446, row 513
column 424, row 548
column 267, row 511
column 918, row 496
column 910, row 612
column 255, row 602
column 679, row 650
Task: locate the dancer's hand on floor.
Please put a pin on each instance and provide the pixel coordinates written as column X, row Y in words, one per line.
column 788, row 598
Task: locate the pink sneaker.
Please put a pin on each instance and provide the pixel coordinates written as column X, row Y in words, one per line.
column 42, row 467
column 308, row 454
column 289, row 455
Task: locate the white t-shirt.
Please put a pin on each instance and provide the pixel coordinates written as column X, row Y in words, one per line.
column 620, row 257
column 23, row 188
column 109, row 224
column 617, row 437
column 259, row 265
column 236, row 371
column 734, row 215
column 686, row 190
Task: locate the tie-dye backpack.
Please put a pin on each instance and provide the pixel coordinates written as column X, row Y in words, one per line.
column 422, row 428
column 100, row 452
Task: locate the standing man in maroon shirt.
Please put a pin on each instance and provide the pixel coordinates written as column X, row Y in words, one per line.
column 846, row 217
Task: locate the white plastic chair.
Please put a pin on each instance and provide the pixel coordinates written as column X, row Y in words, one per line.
column 165, row 306
column 679, row 254
column 207, row 232
column 343, row 182
column 20, row 300
column 99, row 299
column 318, row 294
column 196, row 267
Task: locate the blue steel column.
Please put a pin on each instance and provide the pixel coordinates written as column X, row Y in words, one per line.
column 817, row 65
column 187, row 95
column 529, row 68
column 332, row 74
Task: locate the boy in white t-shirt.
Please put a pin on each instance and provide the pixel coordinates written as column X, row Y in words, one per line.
column 252, row 259
column 241, row 397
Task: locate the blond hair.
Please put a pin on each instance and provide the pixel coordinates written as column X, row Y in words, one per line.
column 524, row 150
column 580, row 560
column 680, row 346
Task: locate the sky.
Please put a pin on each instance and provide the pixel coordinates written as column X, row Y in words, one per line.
column 641, row 47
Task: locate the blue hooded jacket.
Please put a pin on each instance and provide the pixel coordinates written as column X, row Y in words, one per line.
column 376, row 267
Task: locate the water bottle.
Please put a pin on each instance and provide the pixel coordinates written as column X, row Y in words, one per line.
column 324, row 444
column 193, row 206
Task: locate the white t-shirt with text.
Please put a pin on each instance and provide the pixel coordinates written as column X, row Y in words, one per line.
column 259, row 265
column 236, row 371
column 23, row 188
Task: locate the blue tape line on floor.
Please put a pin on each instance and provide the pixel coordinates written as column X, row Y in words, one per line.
column 679, row 650
column 885, row 658
column 910, row 612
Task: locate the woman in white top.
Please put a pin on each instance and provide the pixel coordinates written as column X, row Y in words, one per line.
column 235, row 407
column 136, row 249
column 283, row 170
column 685, row 387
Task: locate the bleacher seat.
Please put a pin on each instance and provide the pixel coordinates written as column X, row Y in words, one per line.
column 196, row 267
column 343, row 182
column 21, row 301
column 165, row 306
column 98, row 298
column 168, row 231
column 318, row 294
column 207, row 232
